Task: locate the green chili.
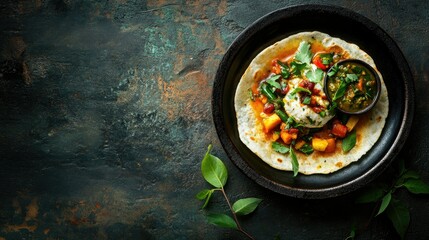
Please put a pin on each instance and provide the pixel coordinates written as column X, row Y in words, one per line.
column 282, row 115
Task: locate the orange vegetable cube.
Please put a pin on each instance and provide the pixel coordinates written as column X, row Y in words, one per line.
column 271, row 122
column 319, row 144
column 331, row 145
column 288, row 136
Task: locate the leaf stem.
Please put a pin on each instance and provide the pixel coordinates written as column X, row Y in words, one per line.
column 239, row 228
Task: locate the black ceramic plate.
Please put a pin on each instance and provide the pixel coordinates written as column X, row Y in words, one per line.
column 337, row 22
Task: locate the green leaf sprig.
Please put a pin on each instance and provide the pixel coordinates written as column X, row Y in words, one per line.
column 216, row 174
column 385, row 201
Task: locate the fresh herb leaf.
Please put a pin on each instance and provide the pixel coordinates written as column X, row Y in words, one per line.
column 326, row 58
column 340, row 91
column 315, row 75
column 280, row 148
column 303, row 53
column 322, row 114
column 399, row 215
column 299, row 89
column 246, row 205
column 349, row 141
column 266, row 91
column 295, row 164
column 213, row 170
column 406, row 175
column 273, row 81
column 351, row 77
column 333, row 70
column 416, row 186
column 221, row 220
column 205, row 194
column 284, row 70
column 296, row 68
column 307, row 100
column 306, row 149
column 384, row 203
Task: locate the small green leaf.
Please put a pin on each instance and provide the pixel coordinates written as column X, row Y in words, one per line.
column 284, row 69
column 416, row 186
column 280, row 148
column 406, row 175
column 213, row 170
column 372, row 194
column 273, row 81
column 296, row 68
column 351, row 77
column 246, row 205
column 334, row 69
column 307, row 149
column 205, row 194
column 307, row 100
column 299, row 89
column 303, row 53
column 315, row 75
column 295, row 164
column 221, row 220
column 349, row 141
column 399, row 215
column 384, row 203
column 340, row 91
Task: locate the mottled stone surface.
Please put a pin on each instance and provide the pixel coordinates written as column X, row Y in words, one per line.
column 105, row 115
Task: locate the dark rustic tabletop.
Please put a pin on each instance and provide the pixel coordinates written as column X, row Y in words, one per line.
column 105, row 116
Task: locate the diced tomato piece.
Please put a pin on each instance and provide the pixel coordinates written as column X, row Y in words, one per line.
column 317, row 109
column 339, row 129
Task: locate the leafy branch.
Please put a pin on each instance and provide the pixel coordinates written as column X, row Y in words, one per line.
column 385, row 200
column 216, row 174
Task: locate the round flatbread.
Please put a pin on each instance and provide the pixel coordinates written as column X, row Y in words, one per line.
column 249, row 120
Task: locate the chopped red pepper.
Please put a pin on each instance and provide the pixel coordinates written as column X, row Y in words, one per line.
column 339, row 129
column 318, row 62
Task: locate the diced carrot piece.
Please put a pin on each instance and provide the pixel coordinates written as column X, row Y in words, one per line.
column 271, row 122
column 351, row 123
column 288, row 136
column 319, row 144
column 331, row 145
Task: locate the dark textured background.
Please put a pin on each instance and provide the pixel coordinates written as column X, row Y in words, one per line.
column 106, row 115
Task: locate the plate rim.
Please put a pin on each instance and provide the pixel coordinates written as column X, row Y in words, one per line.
column 327, row 192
